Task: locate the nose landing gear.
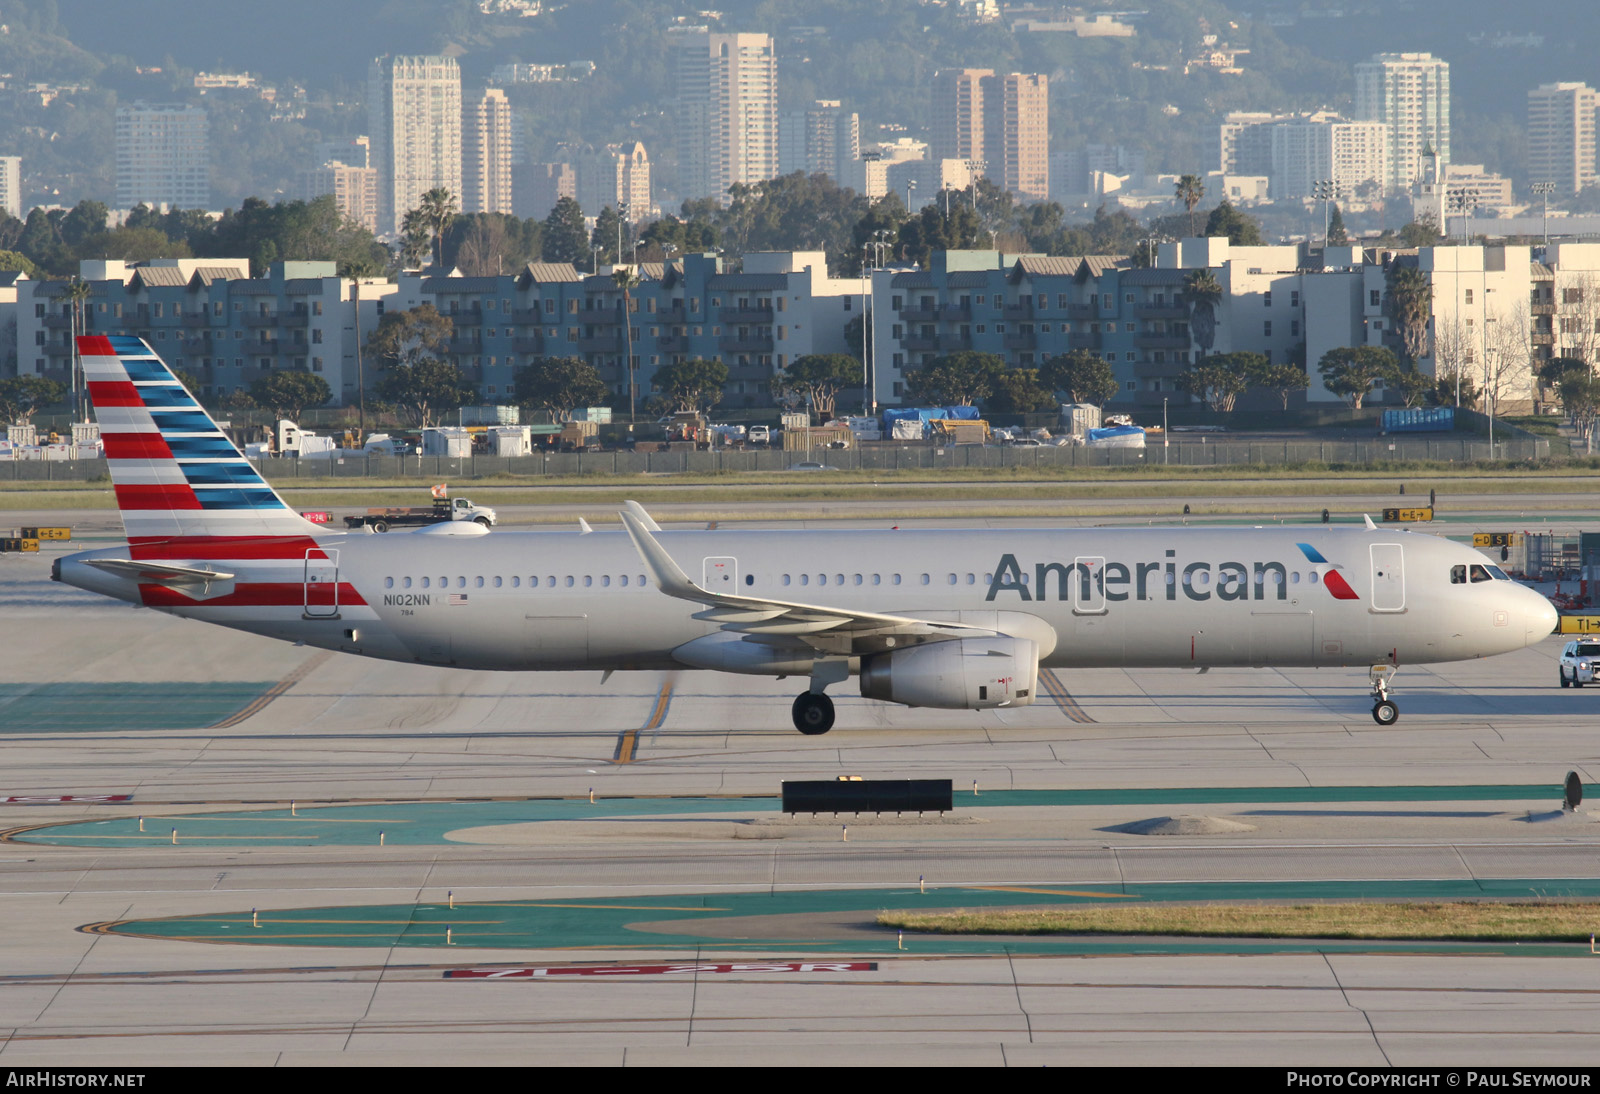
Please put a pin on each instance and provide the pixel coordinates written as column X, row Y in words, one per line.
column 1384, row 710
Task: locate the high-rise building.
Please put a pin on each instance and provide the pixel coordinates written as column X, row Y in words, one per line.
column 354, row 190
column 823, row 140
column 538, row 186
column 1245, row 138
column 162, row 156
column 487, row 153
column 727, row 110
column 614, row 176
column 414, row 104
column 1001, row 121
column 1410, row 93
column 1561, row 124
column 1326, row 148
column 355, row 152
column 11, row 185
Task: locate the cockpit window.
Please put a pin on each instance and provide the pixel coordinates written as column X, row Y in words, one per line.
column 1458, row 575
column 1498, row 574
column 1480, row 573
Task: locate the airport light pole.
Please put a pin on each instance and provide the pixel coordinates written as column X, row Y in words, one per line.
column 1543, row 190
column 1324, row 190
column 1461, row 202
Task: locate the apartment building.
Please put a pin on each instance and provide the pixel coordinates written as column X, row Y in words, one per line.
column 1561, row 145
column 726, row 106
column 354, row 190
column 162, row 155
column 1001, row 121
column 11, row 185
column 208, row 317
column 1409, row 93
column 488, row 134
column 414, row 120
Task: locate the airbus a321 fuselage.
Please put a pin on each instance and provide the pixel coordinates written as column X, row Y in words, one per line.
column 953, row 619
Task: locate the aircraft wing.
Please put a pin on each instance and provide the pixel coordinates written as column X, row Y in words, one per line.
column 160, row 573
column 827, row 628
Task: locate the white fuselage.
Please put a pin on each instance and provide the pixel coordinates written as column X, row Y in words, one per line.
column 1174, row 597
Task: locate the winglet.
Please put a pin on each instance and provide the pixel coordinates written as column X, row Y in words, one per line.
column 644, row 518
column 669, row 578
column 1370, row 526
column 583, row 527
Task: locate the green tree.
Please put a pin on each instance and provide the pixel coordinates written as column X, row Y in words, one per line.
column 23, row 396
column 1189, row 191
column 1283, row 381
column 1413, row 386
column 437, row 209
column 1338, row 234
column 407, row 337
column 930, row 230
column 695, row 384
column 1580, row 400
column 427, row 390
column 288, row 393
column 1350, row 371
column 1422, row 232
column 1225, row 220
column 1084, row 377
column 16, row 260
column 1408, row 300
column 1202, row 292
column 816, row 379
column 565, row 238
column 1019, row 391
column 956, row 379
column 560, row 385
column 1219, row 380
column 605, row 236
column 132, row 245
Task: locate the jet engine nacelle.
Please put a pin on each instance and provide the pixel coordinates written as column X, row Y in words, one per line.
column 962, row 674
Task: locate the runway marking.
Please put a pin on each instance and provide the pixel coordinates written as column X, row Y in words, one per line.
column 1054, row 892
column 628, row 740
column 1058, row 692
column 310, row 665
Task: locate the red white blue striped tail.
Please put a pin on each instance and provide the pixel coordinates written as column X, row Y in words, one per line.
column 176, row 475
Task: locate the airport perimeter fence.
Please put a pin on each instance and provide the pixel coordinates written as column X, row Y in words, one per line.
column 1211, row 452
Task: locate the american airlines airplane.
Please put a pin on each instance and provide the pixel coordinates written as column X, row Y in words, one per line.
column 952, row 619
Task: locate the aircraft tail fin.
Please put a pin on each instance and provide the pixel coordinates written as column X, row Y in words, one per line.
column 177, row 476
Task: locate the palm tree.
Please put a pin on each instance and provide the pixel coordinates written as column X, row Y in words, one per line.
column 437, row 208
column 1409, row 300
column 77, row 294
column 1203, row 292
column 1189, row 191
column 355, row 271
column 627, row 278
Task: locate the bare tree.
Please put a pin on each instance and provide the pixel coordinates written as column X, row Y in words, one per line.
column 481, row 250
column 1508, row 365
column 1455, row 360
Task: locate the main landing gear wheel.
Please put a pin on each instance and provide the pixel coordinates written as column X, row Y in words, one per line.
column 813, row 713
column 1384, row 710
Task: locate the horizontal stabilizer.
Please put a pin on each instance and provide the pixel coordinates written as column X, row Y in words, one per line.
column 160, row 573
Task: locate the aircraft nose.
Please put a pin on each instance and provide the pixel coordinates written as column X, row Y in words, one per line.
column 1540, row 616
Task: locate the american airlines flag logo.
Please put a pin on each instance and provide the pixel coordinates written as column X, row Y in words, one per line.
column 1332, row 580
column 458, row 598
